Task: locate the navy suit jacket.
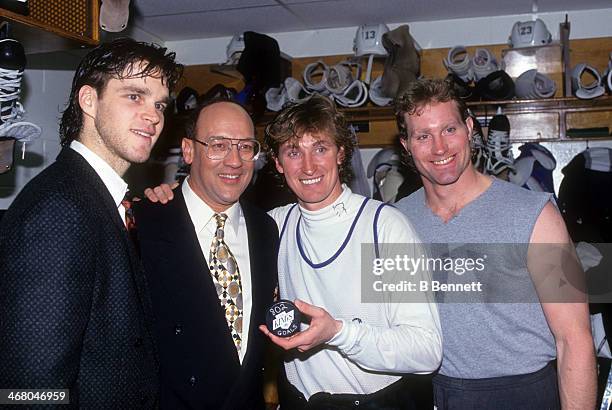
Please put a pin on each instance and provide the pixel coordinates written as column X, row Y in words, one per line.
column 74, row 309
column 199, row 364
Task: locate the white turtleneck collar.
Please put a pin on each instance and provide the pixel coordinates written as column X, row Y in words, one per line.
column 344, row 207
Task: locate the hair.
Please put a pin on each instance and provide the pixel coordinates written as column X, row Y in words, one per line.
column 119, row 59
column 417, row 96
column 316, row 115
column 423, row 92
column 192, row 118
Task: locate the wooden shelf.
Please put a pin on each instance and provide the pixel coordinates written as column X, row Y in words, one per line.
column 53, row 26
column 603, row 103
column 227, row 70
column 549, row 119
column 530, row 120
column 569, row 104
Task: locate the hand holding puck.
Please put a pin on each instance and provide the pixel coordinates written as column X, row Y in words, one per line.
column 283, row 318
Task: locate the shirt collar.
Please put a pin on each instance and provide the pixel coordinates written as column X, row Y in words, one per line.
column 338, row 208
column 201, row 213
column 113, row 182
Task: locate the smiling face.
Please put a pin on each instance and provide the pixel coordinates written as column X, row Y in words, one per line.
column 123, row 122
column 310, row 166
column 219, row 182
column 439, row 142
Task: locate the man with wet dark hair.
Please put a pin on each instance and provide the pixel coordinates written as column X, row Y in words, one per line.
column 122, row 59
column 74, row 312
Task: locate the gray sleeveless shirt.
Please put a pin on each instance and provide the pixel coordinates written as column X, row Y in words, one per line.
column 493, row 339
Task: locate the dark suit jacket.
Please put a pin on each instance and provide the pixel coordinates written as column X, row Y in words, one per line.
column 74, row 309
column 199, row 365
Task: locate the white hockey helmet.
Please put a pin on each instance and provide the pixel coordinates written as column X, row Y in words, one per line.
column 529, row 33
column 235, row 48
column 368, row 40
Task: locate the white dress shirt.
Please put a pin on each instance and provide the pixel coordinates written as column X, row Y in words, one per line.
column 236, row 238
column 113, row 182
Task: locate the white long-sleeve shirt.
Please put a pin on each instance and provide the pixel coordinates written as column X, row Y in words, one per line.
column 379, row 340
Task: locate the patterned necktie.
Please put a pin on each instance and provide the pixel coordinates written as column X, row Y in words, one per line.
column 226, row 278
column 130, row 222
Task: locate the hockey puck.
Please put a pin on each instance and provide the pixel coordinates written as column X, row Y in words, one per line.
column 283, row 318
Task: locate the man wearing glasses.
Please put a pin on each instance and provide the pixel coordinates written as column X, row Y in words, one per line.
column 210, row 260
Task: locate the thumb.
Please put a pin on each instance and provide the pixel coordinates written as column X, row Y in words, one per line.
column 306, row 308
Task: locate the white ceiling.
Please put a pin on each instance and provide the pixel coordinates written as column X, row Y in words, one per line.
column 176, row 20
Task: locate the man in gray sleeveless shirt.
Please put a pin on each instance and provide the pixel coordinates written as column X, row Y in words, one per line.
column 498, row 354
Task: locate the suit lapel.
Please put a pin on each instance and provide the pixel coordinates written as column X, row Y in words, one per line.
column 92, row 180
column 101, row 197
column 258, row 264
column 190, row 261
column 178, row 230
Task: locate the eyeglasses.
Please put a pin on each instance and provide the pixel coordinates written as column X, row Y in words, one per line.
column 218, row 147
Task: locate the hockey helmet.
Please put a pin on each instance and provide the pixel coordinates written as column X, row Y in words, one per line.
column 529, row 33
column 368, row 40
column 235, row 48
